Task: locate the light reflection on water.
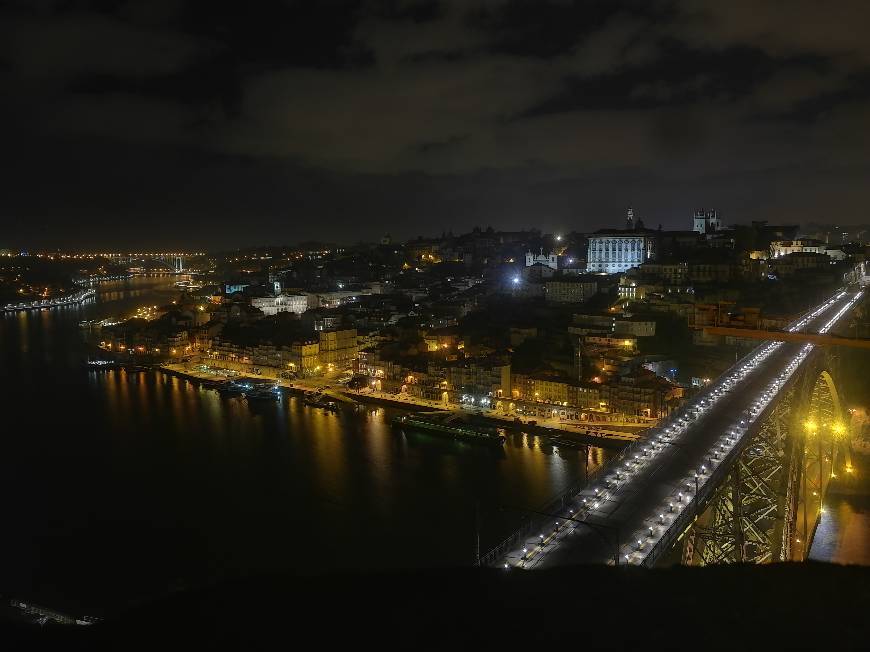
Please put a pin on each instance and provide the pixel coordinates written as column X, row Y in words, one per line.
column 127, row 482
column 844, row 530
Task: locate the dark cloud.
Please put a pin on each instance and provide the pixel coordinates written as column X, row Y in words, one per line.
column 415, row 116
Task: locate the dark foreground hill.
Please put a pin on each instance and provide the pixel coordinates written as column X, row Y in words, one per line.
column 789, row 606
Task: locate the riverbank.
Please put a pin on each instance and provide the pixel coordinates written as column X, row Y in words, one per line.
column 582, row 435
column 550, row 428
column 69, row 300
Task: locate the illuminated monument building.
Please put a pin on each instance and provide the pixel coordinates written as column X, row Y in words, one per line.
column 550, row 260
column 616, row 250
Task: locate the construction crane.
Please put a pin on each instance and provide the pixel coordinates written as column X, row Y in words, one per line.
column 781, row 336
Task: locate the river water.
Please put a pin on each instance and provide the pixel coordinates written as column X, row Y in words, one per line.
column 122, row 485
column 843, row 534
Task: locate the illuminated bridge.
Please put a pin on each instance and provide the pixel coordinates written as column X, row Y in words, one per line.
column 739, row 474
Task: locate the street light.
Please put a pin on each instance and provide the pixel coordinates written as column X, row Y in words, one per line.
column 597, row 528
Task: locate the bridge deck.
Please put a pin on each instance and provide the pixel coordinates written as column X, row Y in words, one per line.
column 641, row 503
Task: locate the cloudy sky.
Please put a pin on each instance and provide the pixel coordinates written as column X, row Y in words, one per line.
column 180, row 123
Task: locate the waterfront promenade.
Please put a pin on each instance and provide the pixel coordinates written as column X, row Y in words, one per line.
column 68, row 300
column 582, row 432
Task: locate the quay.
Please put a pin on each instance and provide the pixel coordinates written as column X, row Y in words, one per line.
column 579, row 433
column 72, row 299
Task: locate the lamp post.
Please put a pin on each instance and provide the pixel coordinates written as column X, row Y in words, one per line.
column 683, row 451
column 595, row 527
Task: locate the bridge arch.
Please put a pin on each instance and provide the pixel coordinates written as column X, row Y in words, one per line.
column 819, row 400
column 832, row 389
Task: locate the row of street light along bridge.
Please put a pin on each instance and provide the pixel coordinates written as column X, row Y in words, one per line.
column 739, row 474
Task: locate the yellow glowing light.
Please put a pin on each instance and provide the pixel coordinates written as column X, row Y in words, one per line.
column 810, row 425
column 839, row 429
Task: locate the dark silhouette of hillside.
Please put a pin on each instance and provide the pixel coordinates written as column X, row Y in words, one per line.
column 787, row 606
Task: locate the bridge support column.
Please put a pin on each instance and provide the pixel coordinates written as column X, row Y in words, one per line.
column 737, row 521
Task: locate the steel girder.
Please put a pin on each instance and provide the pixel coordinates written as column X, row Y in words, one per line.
column 767, row 508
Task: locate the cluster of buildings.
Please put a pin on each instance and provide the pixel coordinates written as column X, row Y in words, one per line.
column 490, row 382
column 579, row 326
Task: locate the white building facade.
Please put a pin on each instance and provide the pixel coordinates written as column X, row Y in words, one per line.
column 296, row 303
column 780, row 248
column 550, row 260
column 612, row 252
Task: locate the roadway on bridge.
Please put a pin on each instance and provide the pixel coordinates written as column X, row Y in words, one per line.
column 619, row 518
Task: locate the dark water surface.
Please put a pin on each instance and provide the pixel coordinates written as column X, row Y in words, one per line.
column 843, row 535
column 120, row 485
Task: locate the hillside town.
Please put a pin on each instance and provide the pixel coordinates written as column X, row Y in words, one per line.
column 616, row 325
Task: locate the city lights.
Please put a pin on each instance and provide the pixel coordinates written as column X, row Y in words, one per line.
column 463, row 289
column 696, row 481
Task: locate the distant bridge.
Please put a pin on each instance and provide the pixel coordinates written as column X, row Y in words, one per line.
column 739, row 474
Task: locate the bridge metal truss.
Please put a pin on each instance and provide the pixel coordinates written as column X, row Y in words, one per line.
column 767, row 508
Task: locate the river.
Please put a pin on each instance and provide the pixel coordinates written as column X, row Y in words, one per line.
column 118, row 486
column 844, row 529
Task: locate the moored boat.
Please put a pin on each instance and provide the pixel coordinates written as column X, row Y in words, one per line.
column 271, row 393
column 454, row 429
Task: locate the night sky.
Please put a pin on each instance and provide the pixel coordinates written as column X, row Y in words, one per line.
column 170, row 123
